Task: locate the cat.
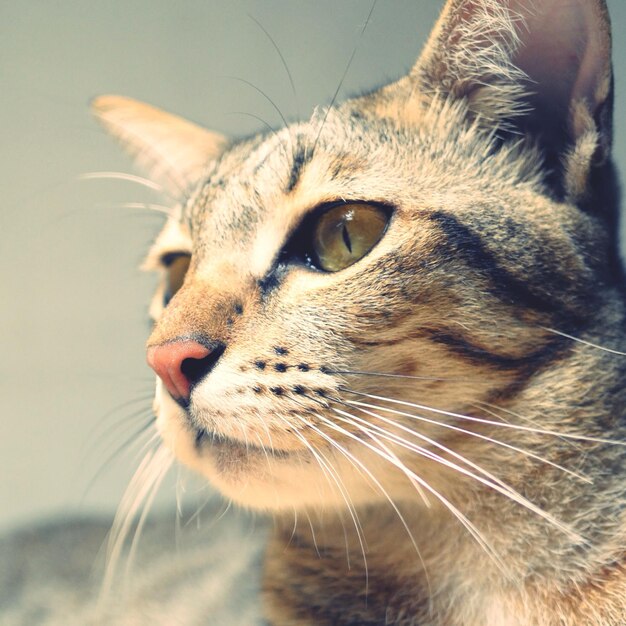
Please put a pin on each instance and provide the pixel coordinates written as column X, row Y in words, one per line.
column 397, row 328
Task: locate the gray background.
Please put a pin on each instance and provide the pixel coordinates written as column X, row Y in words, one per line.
column 73, row 318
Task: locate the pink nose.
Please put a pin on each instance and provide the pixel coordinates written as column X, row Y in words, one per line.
column 182, row 364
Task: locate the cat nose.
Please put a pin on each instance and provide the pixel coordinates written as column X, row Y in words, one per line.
column 182, row 364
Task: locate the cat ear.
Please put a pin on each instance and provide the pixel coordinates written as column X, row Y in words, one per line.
column 530, row 66
column 172, row 151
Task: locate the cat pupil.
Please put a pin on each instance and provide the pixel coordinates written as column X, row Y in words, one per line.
column 346, row 238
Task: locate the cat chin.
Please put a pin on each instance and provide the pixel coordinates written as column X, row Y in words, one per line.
column 286, row 481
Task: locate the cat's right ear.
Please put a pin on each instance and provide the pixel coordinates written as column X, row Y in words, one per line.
column 523, row 68
column 172, row 151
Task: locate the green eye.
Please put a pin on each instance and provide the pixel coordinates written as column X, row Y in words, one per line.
column 176, row 265
column 346, row 233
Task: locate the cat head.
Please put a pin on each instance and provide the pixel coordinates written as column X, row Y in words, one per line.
column 384, row 267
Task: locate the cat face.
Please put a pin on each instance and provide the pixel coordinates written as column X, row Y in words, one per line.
column 383, row 269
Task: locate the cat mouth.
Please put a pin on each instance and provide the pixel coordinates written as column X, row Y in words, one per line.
column 236, row 449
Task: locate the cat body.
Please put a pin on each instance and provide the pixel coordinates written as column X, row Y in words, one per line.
column 397, row 328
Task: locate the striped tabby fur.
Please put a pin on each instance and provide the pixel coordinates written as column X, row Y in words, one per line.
column 438, row 429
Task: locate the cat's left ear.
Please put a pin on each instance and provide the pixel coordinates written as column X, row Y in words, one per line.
column 171, row 150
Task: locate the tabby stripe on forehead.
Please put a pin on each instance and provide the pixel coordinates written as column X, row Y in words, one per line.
column 469, row 246
column 301, row 158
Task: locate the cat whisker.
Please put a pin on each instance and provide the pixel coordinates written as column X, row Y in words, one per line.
column 200, row 508
column 360, row 466
column 148, row 206
column 325, row 473
column 334, row 475
column 340, row 516
column 244, row 434
column 416, row 485
column 583, row 341
column 163, row 465
column 269, row 435
column 336, row 478
column 132, row 178
column 360, row 534
column 344, row 75
column 284, row 62
column 387, row 375
column 470, row 527
column 150, row 473
column 260, row 91
column 264, row 450
column 314, row 538
column 126, row 445
column 268, row 126
column 324, row 405
column 266, row 454
column 487, row 478
column 144, row 397
column 364, row 471
column 295, row 527
column 272, row 103
column 497, row 411
column 480, row 420
column 330, row 473
column 497, row 442
column 102, row 430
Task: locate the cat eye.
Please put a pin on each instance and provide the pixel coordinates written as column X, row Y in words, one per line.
column 176, row 266
column 345, row 234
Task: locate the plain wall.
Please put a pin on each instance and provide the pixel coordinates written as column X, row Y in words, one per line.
column 73, row 319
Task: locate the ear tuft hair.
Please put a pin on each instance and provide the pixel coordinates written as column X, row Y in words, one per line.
column 172, row 151
column 535, row 68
